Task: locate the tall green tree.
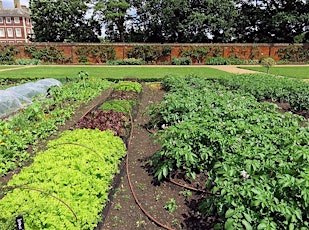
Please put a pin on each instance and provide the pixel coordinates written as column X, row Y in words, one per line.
column 186, row 20
column 272, row 20
column 113, row 14
column 63, row 20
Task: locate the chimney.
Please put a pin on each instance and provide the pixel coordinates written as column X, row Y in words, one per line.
column 25, row 8
column 1, row 5
column 17, row 4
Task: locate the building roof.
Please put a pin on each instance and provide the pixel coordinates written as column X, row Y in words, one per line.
column 14, row 12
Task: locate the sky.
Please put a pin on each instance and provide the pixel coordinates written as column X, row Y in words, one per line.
column 10, row 3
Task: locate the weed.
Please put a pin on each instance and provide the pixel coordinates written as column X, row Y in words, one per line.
column 170, row 205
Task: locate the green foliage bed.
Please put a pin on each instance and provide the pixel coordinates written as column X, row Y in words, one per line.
column 75, row 175
column 256, row 158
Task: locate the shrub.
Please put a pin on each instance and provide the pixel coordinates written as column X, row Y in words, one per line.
column 181, row 61
column 126, row 61
column 218, row 61
column 267, row 63
column 28, row 62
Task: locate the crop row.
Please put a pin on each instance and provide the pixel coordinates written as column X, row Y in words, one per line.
column 256, row 158
column 266, row 87
column 67, row 185
column 41, row 119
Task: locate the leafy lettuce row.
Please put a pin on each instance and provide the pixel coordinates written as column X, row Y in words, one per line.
column 67, row 185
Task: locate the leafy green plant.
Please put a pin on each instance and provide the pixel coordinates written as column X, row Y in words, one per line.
column 268, row 63
column 7, row 54
column 27, row 62
column 123, row 106
column 84, row 163
column 253, row 155
column 128, row 86
column 218, row 61
column 170, row 205
column 49, row 54
column 181, row 61
column 126, row 61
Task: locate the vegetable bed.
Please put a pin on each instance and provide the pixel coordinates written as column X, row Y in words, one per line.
column 256, row 159
column 67, row 185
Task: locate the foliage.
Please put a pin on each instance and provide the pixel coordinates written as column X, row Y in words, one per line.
column 49, row 54
column 255, row 157
column 32, row 61
column 123, row 106
column 104, row 53
column 128, row 86
column 80, row 174
column 63, row 21
column 7, row 54
column 117, row 122
column 265, row 87
column 41, row 119
column 293, row 53
column 113, row 14
column 126, row 61
column 268, row 63
column 218, row 61
column 182, row 61
column 149, row 54
column 271, row 18
column 171, row 205
column 198, row 53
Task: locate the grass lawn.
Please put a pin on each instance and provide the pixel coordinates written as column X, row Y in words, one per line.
column 299, row 72
column 111, row 72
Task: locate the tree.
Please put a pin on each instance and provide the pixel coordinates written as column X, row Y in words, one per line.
column 63, row 20
column 272, row 20
column 186, row 21
column 113, row 14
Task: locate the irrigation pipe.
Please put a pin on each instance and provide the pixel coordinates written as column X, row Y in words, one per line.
column 131, row 186
column 46, row 193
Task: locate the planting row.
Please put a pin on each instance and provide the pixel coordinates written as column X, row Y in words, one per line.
column 67, row 185
column 41, row 119
column 265, row 87
column 256, row 158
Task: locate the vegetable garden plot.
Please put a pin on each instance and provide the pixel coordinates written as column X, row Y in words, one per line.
column 41, row 119
column 69, row 191
column 256, row 158
column 74, row 186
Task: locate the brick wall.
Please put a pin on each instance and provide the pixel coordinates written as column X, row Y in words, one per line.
column 243, row 51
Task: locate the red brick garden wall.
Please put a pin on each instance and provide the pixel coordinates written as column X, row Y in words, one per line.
column 242, row 51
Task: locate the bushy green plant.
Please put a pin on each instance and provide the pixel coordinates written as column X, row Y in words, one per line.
column 254, row 156
column 268, row 63
column 48, row 54
column 128, row 86
column 124, row 106
column 218, row 61
column 28, row 62
column 265, row 87
column 7, row 54
column 181, row 61
column 126, row 61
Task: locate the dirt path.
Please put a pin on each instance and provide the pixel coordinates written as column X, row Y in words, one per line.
column 231, row 69
column 22, row 67
column 124, row 213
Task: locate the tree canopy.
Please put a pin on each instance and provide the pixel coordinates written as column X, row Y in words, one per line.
column 172, row 21
column 63, row 20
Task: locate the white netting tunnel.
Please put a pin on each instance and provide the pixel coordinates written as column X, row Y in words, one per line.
column 18, row 97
